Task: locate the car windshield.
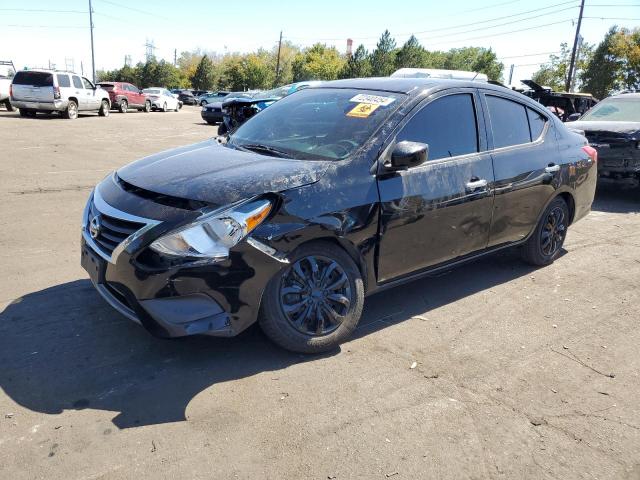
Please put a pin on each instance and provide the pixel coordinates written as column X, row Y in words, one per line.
column 275, row 93
column 237, row 95
column 615, row 110
column 152, row 91
column 324, row 124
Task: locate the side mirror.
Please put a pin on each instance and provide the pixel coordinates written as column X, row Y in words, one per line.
column 573, row 117
column 407, row 155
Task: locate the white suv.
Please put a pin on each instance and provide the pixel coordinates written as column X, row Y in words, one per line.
column 49, row 91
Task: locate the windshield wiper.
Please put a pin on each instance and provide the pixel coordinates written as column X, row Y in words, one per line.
column 269, row 150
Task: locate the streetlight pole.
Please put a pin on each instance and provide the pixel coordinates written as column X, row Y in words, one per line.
column 93, row 58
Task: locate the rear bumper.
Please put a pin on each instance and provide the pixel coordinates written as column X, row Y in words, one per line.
column 57, row 105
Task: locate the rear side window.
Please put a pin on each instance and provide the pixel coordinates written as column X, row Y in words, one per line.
column 536, row 123
column 36, row 79
column 77, row 82
column 63, row 80
column 447, row 125
column 509, row 122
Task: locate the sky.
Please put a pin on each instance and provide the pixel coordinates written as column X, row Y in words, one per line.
column 36, row 33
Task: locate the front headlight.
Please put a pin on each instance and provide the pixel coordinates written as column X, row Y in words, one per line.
column 211, row 237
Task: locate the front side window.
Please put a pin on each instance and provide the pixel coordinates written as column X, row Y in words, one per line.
column 509, row 122
column 63, row 80
column 77, row 82
column 87, row 84
column 448, row 125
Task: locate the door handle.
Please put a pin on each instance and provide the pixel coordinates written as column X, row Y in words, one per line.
column 552, row 168
column 475, row 184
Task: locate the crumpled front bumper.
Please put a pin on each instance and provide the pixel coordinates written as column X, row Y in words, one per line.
column 220, row 299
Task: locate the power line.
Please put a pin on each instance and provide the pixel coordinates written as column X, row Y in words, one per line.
column 43, row 26
column 530, row 54
column 612, row 18
column 145, row 12
column 505, row 33
column 40, row 10
column 574, row 2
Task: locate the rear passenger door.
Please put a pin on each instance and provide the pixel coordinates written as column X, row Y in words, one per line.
column 524, row 151
column 440, row 210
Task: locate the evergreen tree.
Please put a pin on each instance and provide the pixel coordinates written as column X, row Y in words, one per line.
column 358, row 65
column 382, row 58
column 411, row 54
column 204, row 76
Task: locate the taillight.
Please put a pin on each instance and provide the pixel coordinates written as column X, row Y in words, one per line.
column 56, row 93
column 592, row 152
column 11, row 90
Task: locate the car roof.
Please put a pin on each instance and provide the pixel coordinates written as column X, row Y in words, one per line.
column 405, row 85
column 634, row 95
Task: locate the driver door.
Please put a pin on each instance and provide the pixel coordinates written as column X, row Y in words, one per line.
column 92, row 100
column 440, row 210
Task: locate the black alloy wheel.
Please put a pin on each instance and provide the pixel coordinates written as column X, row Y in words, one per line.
column 545, row 243
column 554, row 231
column 315, row 295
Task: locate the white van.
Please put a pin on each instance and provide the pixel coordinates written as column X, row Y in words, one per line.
column 47, row 91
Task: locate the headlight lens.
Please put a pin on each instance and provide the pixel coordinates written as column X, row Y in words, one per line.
column 211, row 237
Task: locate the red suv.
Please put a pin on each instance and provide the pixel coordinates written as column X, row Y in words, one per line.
column 124, row 96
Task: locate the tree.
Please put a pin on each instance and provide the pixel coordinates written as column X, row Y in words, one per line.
column 554, row 73
column 615, row 64
column 411, row 54
column 288, row 52
column 258, row 70
column 382, row 58
column 475, row 59
column 204, row 76
column 358, row 65
column 318, row 62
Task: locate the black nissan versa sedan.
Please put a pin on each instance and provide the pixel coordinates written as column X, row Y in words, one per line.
column 329, row 195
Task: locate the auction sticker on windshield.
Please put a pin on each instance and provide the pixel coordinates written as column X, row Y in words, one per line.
column 362, row 110
column 372, row 99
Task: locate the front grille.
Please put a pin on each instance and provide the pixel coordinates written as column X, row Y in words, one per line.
column 214, row 109
column 111, row 231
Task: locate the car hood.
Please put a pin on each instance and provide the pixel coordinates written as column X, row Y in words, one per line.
column 211, row 173
column 629, row 128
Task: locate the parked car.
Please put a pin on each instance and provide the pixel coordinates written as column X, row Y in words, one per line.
column 187, row 98
column 211, row 97
column 563, row 104
column 47, row 91
column 125, row 95
column 327, row 196
column 162, row 99
column 198, row 93
column 613, row 129
column 236, row 111
column 7, row 71
column 212, row 111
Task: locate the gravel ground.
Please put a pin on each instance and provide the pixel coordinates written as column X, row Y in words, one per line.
column 520, row 373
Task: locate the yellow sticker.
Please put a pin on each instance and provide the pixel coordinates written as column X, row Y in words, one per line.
column 362, row 110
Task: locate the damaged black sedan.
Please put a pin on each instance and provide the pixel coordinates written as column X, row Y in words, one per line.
column 327, row 196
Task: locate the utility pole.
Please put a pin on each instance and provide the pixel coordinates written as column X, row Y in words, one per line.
column 278, row 61
column 511, row 74
column 575, row 49
column 573, row 78
column 93, row 58
column 175, row 57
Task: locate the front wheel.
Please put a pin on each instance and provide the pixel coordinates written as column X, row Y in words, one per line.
column 544, row 245
column 9, row 107
column 315, row 303
column 164, row 107
column 203, row 103
column 147, row 106
column 104, row 109
column 177, row 109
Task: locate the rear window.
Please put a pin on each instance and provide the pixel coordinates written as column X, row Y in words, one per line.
column 36, row 79
column 107, row 86
column 509, row 122
column 63, row 80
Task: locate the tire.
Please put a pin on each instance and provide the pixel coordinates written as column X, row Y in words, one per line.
column 203, row 103
column 147, row 106
column 104, row 108
column 210, row 122
column 25, row 113
column 545, row 243
column 123, row 106
column 164, row 107
column 177, row 109
column 8, row 106
column 72, row 110
column 339, row 298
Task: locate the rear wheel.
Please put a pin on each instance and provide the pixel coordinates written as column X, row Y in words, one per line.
column 72, row 110
column 123, row 106
column 26, row 113
column 9, row 107
column 314, row 304
column 177, row 109
column 544, row 245
column 104, row 109
column 203, row 103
